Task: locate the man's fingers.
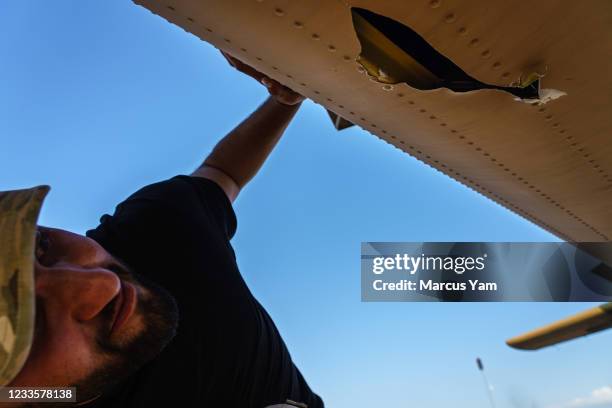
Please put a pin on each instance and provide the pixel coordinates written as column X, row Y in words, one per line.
column 276, row 89
column 282, row 93
column 266, row 82
column 274, row 86
column 242, row 67
column 250, row 71
column 229, row 59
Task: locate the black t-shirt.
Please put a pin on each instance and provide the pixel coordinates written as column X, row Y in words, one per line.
column 227, row 351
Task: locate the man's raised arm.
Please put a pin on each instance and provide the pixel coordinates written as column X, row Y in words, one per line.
column 240, row 154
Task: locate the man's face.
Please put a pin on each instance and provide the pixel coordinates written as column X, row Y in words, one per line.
column 95, row 322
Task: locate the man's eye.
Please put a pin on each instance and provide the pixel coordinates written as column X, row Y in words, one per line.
column 42, row 245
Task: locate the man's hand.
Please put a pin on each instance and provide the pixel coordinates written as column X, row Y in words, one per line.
column 281, row 93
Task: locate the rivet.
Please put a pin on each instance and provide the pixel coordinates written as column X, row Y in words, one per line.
column 302, row 84
column 387, row 87
column 317, row 92
column 485, row 54
column 555, row 125
column 275, row 68
column 432, row 117
column 548, row 117
column 541, row 109
column 497, row 65
column 258, row 58
column 298, row 24
column 505, row 75
column 227, row 40
column 209, row 30
column 422, row 110
column 289, row 76
column 562, row 131
column 347, row 58
column 435, row 3
column 330, row 100
column 171, row 8
column 462, row 31
column 331, row 48
column 341, row 106
column 449, row 18
column 474, row 42
column 243, row 49
column 442, row 124
column 400, row 95
column 191, row 20
column 315, row 36
column 279, row 12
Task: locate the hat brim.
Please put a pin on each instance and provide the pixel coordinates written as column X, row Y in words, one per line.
column 19, row 211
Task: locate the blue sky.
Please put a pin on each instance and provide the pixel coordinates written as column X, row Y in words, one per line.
column 100, row 98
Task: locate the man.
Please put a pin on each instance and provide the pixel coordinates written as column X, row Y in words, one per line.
column 149, row 309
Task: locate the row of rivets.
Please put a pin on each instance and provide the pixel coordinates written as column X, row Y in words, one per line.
column 450, row 18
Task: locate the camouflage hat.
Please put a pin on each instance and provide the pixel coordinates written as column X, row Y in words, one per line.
column 18, row 215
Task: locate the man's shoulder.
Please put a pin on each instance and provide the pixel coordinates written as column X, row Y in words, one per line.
column 185, row 201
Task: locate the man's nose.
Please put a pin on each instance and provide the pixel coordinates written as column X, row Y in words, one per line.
column 82, row 292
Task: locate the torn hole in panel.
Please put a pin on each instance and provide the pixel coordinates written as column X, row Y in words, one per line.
column 392, row 53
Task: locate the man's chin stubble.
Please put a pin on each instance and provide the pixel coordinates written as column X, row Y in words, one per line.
column 159, row 313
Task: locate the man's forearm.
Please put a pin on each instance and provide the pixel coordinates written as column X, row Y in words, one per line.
column 242, row 152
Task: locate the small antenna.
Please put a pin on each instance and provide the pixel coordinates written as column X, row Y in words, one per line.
column 488, row 387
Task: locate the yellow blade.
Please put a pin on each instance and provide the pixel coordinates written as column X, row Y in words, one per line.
column 581, row 324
